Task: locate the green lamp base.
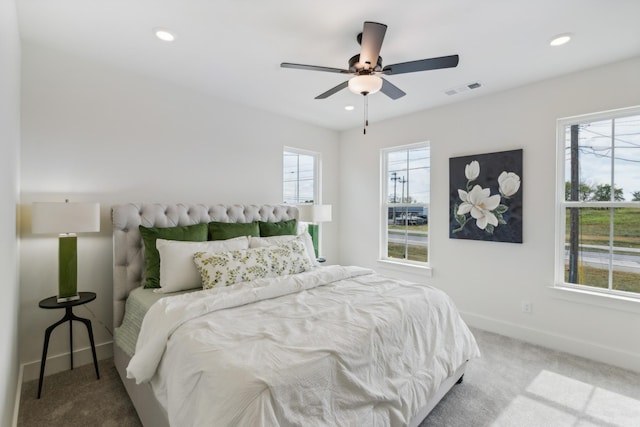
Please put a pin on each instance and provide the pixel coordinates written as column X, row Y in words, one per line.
column 68, row 268
column 312, row 229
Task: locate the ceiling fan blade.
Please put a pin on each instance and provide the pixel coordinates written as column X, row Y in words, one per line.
column 391, row 90
column 333, row 90
column 422, row 65
column 313, row 68
column 372, row 37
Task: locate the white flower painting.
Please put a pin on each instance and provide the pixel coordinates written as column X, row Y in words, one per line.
column 486, row 201
column 480, row 205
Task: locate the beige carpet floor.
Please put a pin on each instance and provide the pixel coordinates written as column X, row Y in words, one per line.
column 76, row 398
column 516, row 384
column 513, row 384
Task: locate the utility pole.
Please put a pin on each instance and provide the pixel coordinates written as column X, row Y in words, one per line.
column 574, row 232
column 395, row 179
column 403, row 180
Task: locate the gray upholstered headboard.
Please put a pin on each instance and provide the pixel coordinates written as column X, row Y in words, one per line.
column 128, row 256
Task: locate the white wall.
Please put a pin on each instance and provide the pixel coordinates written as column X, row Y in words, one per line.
column 9, row 163
column 92, row 132
column 489, row 280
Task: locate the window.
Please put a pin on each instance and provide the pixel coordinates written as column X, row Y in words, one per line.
column 299, row 176
column 405, row 204
column 599, row 203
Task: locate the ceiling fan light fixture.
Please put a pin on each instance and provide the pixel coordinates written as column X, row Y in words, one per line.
column 365, row 84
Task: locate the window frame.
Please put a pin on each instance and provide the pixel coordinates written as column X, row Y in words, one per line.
column 582, row 292
column 317, row 192
column 385, row 205
column 317, row 178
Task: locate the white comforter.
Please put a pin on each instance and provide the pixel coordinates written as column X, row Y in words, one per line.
column 337, row 346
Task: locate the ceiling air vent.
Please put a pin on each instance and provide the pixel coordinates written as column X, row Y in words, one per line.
column 465, row 88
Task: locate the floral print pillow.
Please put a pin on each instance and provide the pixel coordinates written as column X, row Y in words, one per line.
column 289, row 258
column 228, row 268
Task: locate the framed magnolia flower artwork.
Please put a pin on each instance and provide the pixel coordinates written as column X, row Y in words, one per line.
column 485, row 197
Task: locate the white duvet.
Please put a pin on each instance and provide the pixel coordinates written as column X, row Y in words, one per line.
column 336, row 346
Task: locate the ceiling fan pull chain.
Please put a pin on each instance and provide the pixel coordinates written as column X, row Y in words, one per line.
column 366, row 114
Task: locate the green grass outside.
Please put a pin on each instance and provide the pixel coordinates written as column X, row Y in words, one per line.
column 416, row 253
column 599, row 278
column 594, row 227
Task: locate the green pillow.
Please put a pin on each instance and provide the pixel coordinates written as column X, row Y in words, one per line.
column 229, row 230
column 186, row 233
column 281, row 228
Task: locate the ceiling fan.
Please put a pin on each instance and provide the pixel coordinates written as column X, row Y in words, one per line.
column 366, row 67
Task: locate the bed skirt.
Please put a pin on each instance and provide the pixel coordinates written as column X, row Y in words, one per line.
column 149, row 410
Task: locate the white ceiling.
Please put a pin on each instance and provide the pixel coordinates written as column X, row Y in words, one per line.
column 233, row 48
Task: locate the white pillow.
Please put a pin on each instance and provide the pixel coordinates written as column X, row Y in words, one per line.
column 305, row 238
column 177, row 270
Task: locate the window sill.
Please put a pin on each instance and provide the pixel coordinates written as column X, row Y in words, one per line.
column 584, row 296
column 406, row 267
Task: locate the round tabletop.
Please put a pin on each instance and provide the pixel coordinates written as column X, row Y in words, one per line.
column 52, row 302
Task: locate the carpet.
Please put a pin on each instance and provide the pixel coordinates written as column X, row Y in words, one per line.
column 76, row 398
column 519, row 384
column 513, row 384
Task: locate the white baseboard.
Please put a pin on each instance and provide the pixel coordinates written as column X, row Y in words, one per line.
column 589, row 350
column 16, row 405
column 60, row 362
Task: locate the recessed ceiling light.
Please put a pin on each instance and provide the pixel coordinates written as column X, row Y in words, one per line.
column 164, row 35
column 349, row 107
column 560, row 39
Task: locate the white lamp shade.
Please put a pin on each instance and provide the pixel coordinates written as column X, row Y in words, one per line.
column 314, row 213
column 366, row 84
column 65, row 217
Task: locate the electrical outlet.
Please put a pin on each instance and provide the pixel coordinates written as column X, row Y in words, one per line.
column 527, row 307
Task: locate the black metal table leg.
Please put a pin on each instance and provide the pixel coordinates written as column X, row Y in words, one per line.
column 70, row 316
column 47, row 334
column 87, row 323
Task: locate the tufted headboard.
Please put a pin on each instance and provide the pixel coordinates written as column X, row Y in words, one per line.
column 128, row 253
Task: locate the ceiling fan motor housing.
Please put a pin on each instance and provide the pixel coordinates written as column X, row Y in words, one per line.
column 356, row 67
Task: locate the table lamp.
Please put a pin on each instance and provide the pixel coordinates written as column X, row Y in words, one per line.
column 314, row 214
column 66, row 219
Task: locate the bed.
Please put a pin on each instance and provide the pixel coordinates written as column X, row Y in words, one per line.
column 332, row 345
